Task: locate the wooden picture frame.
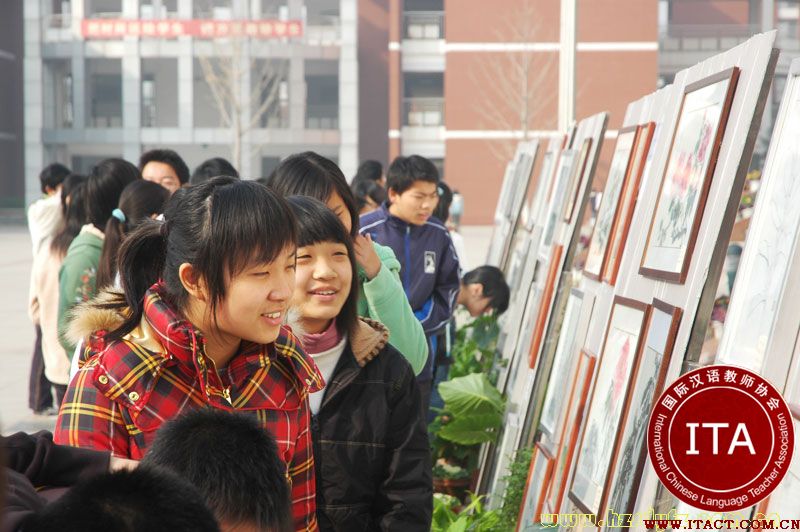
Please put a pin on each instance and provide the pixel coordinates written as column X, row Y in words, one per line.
column 757, row 314
column 622, row 345
column 607, row 213
column 687, row 178
column 579, row 392
column 627, row 203
column 647, row 383
column 576, row 179
column 544, row 304
column 539, row 476
column 551, row 420
column 566, row 164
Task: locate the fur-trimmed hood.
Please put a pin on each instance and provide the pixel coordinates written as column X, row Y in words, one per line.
column 94, row 315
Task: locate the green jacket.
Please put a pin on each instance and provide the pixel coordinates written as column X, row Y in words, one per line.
column 383, row 299
column 76, row 279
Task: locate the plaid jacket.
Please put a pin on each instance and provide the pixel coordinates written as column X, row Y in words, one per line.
column 127, row 389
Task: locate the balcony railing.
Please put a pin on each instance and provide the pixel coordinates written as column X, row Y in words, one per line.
column 423, row 25
column 423, row 112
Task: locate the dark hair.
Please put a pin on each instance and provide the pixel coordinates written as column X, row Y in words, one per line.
column 220, row 227
column 404, row 171
column 311, row 174
column 52, row 175
column 103, row 188
column 494, row 285
column 442, row 210
column 242, row 480
column 369, row 170
column 368, row 189
column 142, row 500
column 167, row 157
column 214, row 167
column 317, row 223
column 138, row 202
column 74, row 214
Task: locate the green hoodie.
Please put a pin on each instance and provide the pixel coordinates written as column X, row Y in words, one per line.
column 76, row 279
column 383, row 299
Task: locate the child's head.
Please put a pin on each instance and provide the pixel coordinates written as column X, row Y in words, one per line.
column 226, row 250
column 51, row 177
column 484, row 289
column 233, row 462
column 144, row 499
column 369, row 195
column 325, row 287
column 214, row 167
column 164, row 167
column 139, row 201
column 412, row 187
column 103, row 188
column 370, row 170
column 310, row 174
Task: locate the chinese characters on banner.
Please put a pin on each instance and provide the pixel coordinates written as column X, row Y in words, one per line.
column 203, row 29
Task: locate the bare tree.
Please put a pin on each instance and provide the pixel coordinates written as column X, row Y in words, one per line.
column 515, row 87
column 246, row 89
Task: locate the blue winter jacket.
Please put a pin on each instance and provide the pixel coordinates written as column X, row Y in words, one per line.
column 429, row 270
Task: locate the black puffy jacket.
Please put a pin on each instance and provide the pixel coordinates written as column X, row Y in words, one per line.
column 371, row 451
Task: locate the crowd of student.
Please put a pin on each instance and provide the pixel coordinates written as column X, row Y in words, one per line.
column 179, row 315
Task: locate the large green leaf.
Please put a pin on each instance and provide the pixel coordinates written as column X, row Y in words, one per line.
column 471, row 395
column 472, row 429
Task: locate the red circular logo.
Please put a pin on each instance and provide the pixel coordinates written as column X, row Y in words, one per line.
column 720, row 438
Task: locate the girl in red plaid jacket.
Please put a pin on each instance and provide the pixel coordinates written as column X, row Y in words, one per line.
column 199, row 325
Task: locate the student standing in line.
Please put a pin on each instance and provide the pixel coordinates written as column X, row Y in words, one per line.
column 370, row 441
column 422, row 244
column 44, row 218
column 381, row 295
column 165, row 168
column 199, row 325
column 77, row 278
column 46, row 267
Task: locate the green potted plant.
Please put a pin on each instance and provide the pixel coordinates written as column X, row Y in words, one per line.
column 472, row 415
column 448, row 516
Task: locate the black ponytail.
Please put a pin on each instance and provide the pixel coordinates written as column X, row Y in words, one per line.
column 141, row 263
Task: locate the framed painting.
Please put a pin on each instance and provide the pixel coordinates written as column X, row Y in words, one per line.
column 575, row 180
column 621, row 348
column 606, row 215
column 545, row 302
column 565, row 164
column 578, row 393
column 627, row 203
column 764, row 269
column 690, row 166
column 543, row 184
column 647, row 384
column 564, row 361
column 539, row 476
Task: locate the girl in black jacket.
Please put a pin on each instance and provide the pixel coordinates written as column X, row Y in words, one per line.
column 371, row 451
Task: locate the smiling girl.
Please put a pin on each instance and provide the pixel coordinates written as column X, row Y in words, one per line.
column 370, row 443
column 199, row 326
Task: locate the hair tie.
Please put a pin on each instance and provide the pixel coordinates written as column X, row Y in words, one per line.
column 119, row 215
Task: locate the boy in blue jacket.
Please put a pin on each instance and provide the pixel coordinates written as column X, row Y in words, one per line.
column 429, row 271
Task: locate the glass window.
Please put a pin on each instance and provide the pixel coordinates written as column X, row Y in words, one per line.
column 270, row 92
column 103, row 8
column 103, row 93
column 58, row 93
column 159, row 96
column 322, row 94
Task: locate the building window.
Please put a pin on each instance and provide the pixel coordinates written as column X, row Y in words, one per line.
column 159, row 92
column 423, row 99
column 322, row 13
column 322, row 94
column 274, row 9
column 423, row 19
column 158, row 9
column 58, row 93
column 270, row 93
column 103, row 93
column 213, row 9
column 103, row 9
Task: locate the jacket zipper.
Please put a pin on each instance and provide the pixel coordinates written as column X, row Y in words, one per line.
column 407, row 268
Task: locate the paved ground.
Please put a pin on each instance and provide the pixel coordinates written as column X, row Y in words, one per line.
column 17, row 333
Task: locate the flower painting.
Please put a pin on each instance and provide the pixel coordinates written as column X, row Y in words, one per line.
column 690, row 167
